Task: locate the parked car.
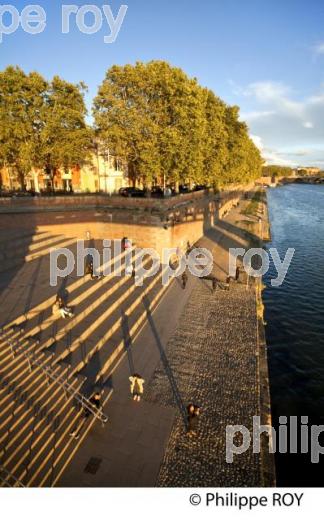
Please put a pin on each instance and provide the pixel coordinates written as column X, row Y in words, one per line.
column 20, row 193
column 157, row 191
column 5, row 193
column 200, row 187
column 131, row 192
column 184, row 188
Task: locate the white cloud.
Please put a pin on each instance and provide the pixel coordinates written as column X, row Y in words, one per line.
column 270, row 156
column 252, row 116
column 283, row 122
column 319, row 48
column 274, row 94
column 267, row 90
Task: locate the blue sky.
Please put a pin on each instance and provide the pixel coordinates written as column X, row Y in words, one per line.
column 266, row 56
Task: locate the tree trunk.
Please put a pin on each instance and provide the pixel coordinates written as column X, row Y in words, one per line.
column 21, row 179
column 53, row 172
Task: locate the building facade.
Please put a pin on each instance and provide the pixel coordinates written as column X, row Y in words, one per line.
column 308, row 170
column 103, row 173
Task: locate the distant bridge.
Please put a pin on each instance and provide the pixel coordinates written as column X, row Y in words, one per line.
column 269, row 181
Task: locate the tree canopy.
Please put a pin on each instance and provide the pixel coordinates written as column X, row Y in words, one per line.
column 273, row 170
column 42, row 124
column 166, row 125
column 162, row 123
column 22, row 99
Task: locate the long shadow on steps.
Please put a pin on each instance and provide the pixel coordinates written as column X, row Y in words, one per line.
column 164, row 359
column 13, row 236
column 128, row 342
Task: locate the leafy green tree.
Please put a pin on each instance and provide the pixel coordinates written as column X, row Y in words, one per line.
column 65, row 139
column 22, row 101
column 152, row 114
column 41, row 124
column 244, row 161
column 123, row 121
column 168, row 127
column 215, row 145
column 273, row 170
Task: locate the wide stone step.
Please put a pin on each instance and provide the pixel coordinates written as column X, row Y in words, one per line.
column 109, row 313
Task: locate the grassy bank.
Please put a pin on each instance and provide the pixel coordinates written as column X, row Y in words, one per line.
column 252, row 209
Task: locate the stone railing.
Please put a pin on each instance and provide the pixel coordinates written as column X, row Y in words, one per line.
column 74, row 202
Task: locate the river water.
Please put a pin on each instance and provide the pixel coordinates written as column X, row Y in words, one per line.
column 295, row 322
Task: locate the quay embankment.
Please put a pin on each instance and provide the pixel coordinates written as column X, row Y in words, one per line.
column 154, row 223
column 218, row 355
column 213, row 355
column 190, row 346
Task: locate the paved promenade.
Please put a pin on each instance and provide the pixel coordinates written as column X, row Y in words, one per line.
column 197, row 346
column 212, row 356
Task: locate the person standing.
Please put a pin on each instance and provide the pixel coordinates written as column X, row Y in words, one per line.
column 126, row 243
column 137, row 386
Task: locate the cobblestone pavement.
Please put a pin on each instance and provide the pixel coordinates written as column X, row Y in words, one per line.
column 212, row 357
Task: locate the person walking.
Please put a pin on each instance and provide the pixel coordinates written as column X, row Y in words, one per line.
column 231, row 279
column 137, row 386
column 193, row 420
column 126, row 243
column 95, row 401
column 90, row 270
column 184, row 279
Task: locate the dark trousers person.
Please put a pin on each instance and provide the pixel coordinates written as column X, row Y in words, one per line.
column 184, row 279
column 213, row 280
column 229, row 279
column 90, row 271
column 95, row 401
column 193, row 420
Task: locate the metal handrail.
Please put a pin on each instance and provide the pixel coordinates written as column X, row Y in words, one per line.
column 67, row 387
column 8, row 475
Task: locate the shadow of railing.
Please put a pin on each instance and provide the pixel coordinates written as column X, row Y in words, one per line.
column 165, row 362
column 127, row 342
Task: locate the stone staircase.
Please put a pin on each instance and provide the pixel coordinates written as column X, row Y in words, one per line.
column 29, row 247
column 39, row 351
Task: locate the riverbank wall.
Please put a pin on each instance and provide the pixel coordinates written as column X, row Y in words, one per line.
column 267, row 458
column 149, row 223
